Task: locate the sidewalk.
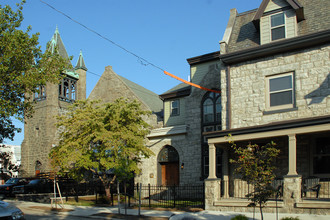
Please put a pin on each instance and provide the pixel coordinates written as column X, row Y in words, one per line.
column 107, row 212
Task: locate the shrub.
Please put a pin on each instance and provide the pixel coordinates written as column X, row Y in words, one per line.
column 240, row 217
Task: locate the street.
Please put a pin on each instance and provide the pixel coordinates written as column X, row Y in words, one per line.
column 51, row 216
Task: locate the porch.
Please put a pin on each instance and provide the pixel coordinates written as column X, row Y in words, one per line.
column 302, row 184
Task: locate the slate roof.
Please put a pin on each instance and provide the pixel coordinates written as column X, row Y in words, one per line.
column 150, row 98
column 244, row 35
column 56, row 41
column 81, row 62
column 181, row 89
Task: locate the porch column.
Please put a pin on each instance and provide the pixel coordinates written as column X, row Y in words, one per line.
column 212, row 161
column 225, row 172
column 292, row 181
column 292, row 155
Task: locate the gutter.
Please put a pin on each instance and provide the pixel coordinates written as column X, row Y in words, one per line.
column 282, row 46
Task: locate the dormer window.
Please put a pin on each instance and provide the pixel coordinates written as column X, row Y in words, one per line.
column 277, row 26
column 277, row 20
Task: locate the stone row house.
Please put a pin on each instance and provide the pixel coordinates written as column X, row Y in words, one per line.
column 273, row 73
column 272, row 78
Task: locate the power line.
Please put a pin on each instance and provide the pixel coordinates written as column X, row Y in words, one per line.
column 107, row 78
column 141, row 59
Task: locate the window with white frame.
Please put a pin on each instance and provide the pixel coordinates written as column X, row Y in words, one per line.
column 277, row 22
column 280, row 91
column 175, row 107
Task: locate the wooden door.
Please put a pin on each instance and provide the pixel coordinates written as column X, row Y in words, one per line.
column 170, row 173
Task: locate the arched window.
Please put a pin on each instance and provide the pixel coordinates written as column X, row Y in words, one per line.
column 211, row 121
column 67, row 90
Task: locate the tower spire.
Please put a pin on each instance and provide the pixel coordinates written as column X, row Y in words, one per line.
column 56, row 41
column 81, row 62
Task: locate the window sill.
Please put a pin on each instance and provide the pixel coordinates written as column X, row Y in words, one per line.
column 280, row 111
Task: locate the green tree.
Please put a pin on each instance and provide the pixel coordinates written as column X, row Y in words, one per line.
column 98, row 138
column 256, row 165
column 6, row 166
column 23, row 69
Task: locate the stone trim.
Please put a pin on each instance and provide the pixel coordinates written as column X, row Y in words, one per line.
column 268, row 134
column 240, row 203
column 313, row 204
column 280, row 111
column 167, row 131
column 289, row 124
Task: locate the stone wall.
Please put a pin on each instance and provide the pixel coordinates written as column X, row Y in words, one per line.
column 248, row 87
column 187, row 145
column 40, row 132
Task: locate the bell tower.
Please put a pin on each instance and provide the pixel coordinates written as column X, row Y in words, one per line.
column 40, row 132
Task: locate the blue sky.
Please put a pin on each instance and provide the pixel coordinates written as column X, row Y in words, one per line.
column 164, row 32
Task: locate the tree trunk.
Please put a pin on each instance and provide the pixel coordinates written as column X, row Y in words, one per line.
column 261, row 214
column 107, row 192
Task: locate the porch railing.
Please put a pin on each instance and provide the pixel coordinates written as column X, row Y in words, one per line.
column 239, row 189
column 315, row 188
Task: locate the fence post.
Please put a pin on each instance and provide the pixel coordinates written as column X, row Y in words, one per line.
column 125, row 191
column 139, row 191
column 149, row 195
column 204, row 195
column 174, row 195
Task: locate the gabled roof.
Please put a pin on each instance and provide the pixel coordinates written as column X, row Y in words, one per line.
column 293, row 3
column 111, row 86
column 244, row 34
column 81, row 62
column 56, row 41
column 150, row 98
column 177, row 91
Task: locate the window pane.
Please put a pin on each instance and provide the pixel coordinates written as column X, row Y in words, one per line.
column 218, row 109
column 280, row 83
column 208, row 111
column 281, row 98
column 175, row 107
column 174, row 104
column 322, row 146
column 208, row 118
column 278, row 33
column 277, row 19
column 321, row 165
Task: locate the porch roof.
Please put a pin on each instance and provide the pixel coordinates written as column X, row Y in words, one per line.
column 283, row 128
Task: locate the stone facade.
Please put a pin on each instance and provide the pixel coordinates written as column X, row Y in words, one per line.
column 253, row 73
column 40, row 132
column 248, row 91
column 187, row 143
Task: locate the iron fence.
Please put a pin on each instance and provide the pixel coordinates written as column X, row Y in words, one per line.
column 181, row 196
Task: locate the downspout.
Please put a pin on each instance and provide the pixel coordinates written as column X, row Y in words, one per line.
column 229, row 97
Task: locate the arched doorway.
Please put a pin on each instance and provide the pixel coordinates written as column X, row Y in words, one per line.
column 168, row 159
